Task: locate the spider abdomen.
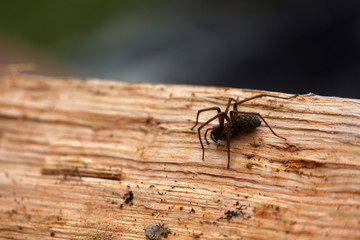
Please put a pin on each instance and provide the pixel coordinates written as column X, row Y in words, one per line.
column 246, row 123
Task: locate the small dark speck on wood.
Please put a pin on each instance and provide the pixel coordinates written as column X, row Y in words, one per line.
column 128, row 197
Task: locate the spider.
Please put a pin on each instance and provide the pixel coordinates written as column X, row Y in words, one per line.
column 238, row 122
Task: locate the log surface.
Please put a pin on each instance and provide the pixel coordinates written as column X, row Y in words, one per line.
column 307, row 187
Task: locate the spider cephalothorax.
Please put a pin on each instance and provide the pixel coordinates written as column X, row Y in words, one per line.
column 237, row 122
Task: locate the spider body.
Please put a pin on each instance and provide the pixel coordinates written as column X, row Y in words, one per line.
column 243, row 123
column 237, row 122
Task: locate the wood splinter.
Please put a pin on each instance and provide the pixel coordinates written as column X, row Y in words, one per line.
column 79, row 166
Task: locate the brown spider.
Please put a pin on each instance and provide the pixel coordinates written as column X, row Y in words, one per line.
column 238, row 122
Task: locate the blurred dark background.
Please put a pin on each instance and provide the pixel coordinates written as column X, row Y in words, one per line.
column 286, row 46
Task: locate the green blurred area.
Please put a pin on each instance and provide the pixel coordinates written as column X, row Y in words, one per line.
column 288, row 46
column 45, row 23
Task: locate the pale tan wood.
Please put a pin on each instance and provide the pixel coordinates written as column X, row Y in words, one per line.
column 305, row 188
column 78, row 166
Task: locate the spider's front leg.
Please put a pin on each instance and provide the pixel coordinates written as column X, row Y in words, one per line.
column 205, row 135
column 204, row 110
column 221, row 120
column 229, row 103
column 213, row 138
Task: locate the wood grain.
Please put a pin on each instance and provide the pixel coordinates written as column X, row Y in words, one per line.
column 82, row 167
column 307, row 187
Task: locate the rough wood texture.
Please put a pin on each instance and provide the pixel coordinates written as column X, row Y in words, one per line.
column 78, row 166
column 307, row 187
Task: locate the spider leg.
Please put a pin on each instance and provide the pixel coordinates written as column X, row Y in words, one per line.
column 235, row 106
column 206, row 134
column 233, row 113
column 212, row 137
column 228, row 140
column 259, row 96
column 229, row 102
column 204, row 110
column 221, row 119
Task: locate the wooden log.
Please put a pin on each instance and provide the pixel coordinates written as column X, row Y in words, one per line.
column 307, row 187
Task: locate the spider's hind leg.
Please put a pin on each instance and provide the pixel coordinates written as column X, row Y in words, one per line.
column 259, row 96
column 233, row 114
column 228, row 139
